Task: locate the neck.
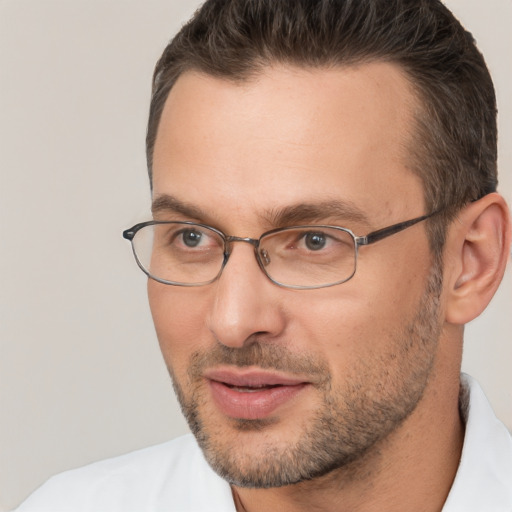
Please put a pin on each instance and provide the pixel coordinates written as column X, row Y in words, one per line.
column 412, row 469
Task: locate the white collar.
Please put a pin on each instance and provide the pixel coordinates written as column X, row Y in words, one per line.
column 483, row 482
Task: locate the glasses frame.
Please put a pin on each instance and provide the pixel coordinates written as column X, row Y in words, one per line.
column 370, row 238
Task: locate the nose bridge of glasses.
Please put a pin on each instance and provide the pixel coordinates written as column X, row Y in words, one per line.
column 253, row 241
column 261, row 254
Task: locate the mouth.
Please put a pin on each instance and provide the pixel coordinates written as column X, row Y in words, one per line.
column 251, row 394
column 250, row 389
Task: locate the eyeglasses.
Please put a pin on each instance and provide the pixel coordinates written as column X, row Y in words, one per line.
column 299, row 257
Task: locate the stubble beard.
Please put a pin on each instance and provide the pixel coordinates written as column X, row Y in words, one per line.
column 375, row 400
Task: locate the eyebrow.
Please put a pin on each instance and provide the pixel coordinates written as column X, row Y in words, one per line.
column 294, row 214
column 169, row 204
column 303, row 213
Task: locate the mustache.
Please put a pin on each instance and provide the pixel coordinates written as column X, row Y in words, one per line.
column 264, row 355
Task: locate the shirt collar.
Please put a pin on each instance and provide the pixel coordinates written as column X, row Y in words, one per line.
column 484, row 478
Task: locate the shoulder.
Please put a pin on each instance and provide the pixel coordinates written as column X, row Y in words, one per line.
column 149, row 479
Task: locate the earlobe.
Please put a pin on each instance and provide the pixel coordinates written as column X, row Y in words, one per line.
column 479, row 242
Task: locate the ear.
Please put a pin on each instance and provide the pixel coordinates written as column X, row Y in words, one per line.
column 477, row 250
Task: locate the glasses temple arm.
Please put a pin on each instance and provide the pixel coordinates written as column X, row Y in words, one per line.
column 375, row 236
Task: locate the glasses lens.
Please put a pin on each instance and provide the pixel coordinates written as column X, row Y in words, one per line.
column 179, row 253
column 309, row 256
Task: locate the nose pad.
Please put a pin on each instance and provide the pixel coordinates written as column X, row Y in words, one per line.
column 265, row 258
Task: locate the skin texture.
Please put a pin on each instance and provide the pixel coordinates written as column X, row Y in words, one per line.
column 377, row 423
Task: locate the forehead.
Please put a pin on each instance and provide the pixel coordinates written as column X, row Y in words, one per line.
column 289, row 135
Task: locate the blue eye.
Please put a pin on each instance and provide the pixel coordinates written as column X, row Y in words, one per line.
column 315, row 241
column 191, row 238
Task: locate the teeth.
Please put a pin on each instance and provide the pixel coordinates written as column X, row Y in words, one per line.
column 248, row 390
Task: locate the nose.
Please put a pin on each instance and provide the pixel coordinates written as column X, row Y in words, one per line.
column 245, row 301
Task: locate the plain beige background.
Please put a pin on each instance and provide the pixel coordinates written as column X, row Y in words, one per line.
column 80, row 373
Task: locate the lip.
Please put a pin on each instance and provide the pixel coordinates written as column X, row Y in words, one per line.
column 251, row 393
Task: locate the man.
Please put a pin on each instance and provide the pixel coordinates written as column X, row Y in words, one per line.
column 317, row 373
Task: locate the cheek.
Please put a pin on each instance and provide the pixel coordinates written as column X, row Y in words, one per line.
column 178, row 316
column 362, row 320
column 395, row 282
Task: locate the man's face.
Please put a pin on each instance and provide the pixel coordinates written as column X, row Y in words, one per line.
column 281, row 385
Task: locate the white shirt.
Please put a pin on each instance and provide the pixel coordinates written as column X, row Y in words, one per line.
column 174, row 476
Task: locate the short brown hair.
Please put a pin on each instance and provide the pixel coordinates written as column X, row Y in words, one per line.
column 454, row 150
